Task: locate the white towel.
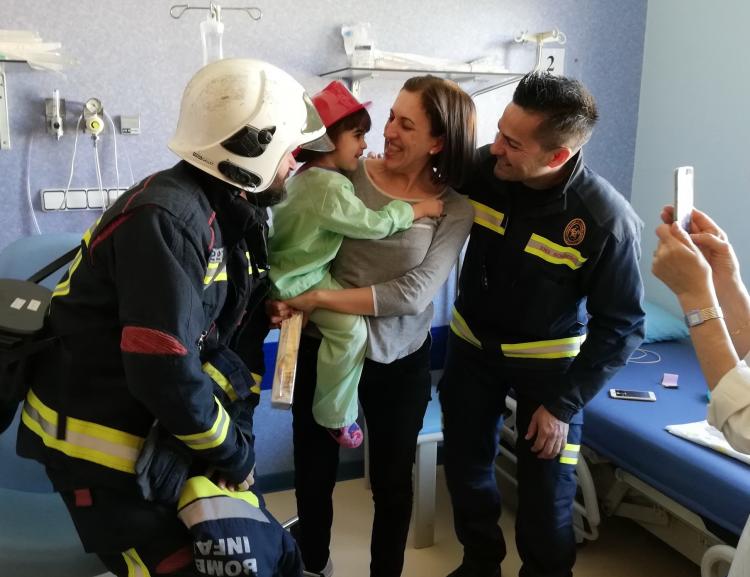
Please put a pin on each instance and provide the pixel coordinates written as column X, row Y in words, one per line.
column 708, row 436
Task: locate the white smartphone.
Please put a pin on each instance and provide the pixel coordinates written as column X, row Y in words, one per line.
column 632, row 395
column 683, row 196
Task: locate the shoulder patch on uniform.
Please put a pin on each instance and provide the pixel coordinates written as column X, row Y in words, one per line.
column 217, row 255
column 575, row 231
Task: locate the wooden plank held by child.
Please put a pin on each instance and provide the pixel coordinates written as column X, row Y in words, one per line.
column 282, row 391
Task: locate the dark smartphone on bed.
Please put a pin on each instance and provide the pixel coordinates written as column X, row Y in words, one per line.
column 632, row 395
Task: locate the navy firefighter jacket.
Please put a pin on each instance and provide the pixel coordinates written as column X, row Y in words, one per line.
column 550, row 282
column 166, row 275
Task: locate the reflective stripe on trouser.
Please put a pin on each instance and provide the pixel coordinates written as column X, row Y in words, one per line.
column 92, row 442
column 569, row 454
column 341, row 357
column 201, row 501
column 546, row 490
column 549, row 349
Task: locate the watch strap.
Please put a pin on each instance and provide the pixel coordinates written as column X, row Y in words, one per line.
column 697, row 317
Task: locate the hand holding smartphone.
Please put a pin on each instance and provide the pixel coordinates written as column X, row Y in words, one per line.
column 683, row 196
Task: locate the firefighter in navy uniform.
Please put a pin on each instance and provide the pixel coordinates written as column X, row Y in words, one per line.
column 549, row 305
column 160, row 320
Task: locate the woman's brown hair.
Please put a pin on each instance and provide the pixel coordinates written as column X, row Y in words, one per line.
column 452, row 116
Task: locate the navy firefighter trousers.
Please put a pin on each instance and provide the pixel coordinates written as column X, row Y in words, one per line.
column 472, row 395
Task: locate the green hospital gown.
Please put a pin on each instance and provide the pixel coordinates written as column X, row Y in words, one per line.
column 320, row 210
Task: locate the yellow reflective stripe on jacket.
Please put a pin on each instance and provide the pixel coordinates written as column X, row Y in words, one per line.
column 462, row 330
column 257, row 380
column 224, row 383
column 211, row 438
column 201, row 487
column 220, row 380
column 552, row 349
column 250, row 266
column 83, row 440
column 136, row 567
column 213, row 274
column 553, row 252
column 63, row 287
column 569, row 455
column 488, row 217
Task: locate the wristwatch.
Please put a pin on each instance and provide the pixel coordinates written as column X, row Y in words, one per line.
column 699, row 316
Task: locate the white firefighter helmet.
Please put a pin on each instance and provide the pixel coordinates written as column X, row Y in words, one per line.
column 240, row 117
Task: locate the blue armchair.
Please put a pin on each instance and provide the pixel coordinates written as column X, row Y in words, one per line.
column 37, row 537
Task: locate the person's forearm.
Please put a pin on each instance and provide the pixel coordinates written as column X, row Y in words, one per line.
column 711, row 340
column 735, row 303
column 353, row 301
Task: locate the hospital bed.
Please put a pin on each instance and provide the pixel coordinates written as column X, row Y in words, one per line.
column 691, row 497
column 695, row 497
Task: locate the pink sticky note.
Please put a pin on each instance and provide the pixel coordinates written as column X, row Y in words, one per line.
column 669, row 380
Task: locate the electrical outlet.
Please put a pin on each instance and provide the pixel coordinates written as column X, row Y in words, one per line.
column 553, row 60
column 54, row 199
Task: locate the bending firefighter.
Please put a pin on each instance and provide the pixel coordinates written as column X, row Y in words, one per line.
column 159, row 323
column 309, row 227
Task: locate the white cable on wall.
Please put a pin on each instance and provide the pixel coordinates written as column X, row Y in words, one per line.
column 28, row 184
column 72, row 162
column 114, row 140
column 99, row 174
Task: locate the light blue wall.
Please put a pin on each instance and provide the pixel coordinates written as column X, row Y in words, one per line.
column 694, row 110
column 136, row 59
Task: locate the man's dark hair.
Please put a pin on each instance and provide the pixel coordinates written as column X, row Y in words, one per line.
column 569, row 109
column 359, row 119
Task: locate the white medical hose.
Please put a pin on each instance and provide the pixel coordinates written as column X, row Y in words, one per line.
column 130, row 167
column 28, row 184
column 99, row 173
column 72, row 162
column 114, row 140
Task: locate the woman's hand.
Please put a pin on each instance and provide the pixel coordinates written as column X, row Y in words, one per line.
column 715, row 246
column 306, row 302
column 679, row 263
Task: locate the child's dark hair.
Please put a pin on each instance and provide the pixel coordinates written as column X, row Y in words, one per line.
column 360, row 119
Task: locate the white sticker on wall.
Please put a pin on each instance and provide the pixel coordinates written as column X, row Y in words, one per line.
column 18, row 304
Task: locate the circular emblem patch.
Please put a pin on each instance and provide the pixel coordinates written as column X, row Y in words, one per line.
column 574, row 232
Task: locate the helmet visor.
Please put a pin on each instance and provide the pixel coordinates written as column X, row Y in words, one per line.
column 314, row 125
column 321, row 144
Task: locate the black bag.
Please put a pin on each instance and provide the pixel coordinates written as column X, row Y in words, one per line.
column 23, row 309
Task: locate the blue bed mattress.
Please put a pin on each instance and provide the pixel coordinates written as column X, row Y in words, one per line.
column 631, row 434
